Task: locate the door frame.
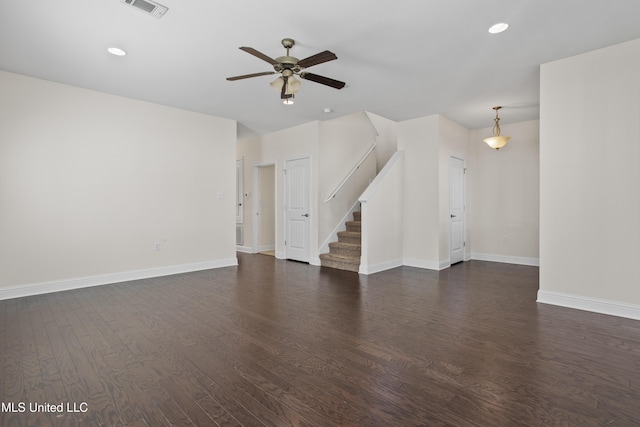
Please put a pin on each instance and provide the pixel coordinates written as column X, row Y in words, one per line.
column 240, row 190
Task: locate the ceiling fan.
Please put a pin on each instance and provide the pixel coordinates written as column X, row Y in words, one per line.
column 289, row 67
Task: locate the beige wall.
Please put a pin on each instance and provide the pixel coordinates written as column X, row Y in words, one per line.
column 590, row 180
column 501, row 192
column 386, row 140
column 93, row 185
column 504, row 196
column 419, row 139
column 382, row 227
column 342, row 143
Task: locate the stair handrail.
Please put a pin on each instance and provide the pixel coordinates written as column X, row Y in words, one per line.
column 346, row 178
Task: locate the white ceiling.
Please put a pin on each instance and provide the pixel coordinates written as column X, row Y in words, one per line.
column 400, row 59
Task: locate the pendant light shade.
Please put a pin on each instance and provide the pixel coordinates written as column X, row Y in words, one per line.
column 497, row 141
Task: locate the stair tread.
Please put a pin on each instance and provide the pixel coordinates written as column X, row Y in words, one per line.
column 349, row 233
column 345, row 245
column 341, row 258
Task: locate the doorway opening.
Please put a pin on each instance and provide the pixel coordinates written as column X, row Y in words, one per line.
column 264, row 224
column 457, row 225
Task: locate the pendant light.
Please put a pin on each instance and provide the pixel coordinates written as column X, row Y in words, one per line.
column 497, row 141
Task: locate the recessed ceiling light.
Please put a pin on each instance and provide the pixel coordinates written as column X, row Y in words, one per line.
column 498, row 28
column 116, row 51
column 327, row 110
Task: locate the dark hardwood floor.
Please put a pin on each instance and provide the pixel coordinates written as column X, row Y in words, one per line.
column 280, row 343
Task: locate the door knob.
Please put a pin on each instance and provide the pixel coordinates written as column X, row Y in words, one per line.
column 453, row 216
column 307, row 215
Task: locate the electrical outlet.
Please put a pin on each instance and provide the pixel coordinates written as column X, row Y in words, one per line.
column 156, row 247
column 504, row 239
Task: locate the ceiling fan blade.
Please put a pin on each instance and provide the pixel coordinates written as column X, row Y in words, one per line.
column 246, row 76
column 260, row 55
column 323, row 80
column 318, row 58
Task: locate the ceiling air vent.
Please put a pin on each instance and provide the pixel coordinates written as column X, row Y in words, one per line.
column 148, row 6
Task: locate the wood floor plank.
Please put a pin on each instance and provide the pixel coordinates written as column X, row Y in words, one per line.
column 13, row 391
column 217, row 412
column 277, row 343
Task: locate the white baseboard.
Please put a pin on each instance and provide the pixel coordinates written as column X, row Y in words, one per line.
column 245, row 249
column 444, row 264
column 376, row 268
column 105, row 279
column 613, row 308
column 419, row 263
column 506, row 259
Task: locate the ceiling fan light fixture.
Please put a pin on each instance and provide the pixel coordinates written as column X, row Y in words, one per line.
column 293, row 85
column 277, row 84
column 288, row 101
column 497, row 141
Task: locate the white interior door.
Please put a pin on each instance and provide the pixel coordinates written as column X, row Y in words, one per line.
column 457, row 209
column 297, row 219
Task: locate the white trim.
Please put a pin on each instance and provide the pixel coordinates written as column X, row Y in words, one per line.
column 376, row 268
column 373, row 127
column 419, row 263
column 105, row 279
column 245, row 249
column 596, row 305
column 507, row 259
column 266, row 248
column 240, row 190
column 315, row 260
column 445, row 264
column 373, row 185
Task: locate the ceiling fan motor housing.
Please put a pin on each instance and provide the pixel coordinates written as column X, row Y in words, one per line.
column 287, row 63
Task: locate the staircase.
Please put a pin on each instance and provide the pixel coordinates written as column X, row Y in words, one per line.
column 345, row 253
